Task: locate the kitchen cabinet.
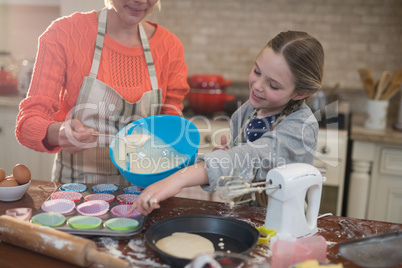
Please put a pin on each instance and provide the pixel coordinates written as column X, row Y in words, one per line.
column 331, row 156
column 375, row 190
column 211, row 130
column 12, row 152
column 380, row 193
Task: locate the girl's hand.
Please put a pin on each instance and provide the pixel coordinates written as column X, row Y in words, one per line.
column 149, row 199
column 71, row 135
column 224, row 144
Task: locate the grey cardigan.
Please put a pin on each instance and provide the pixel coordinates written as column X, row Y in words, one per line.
column 294, row 140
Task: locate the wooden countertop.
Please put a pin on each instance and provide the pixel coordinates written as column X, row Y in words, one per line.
column 359, row 133
column 139, row 254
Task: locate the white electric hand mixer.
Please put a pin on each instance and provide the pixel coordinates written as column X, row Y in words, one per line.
column 288, row 188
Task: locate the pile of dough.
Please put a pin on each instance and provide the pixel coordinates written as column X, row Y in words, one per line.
column 185, row 245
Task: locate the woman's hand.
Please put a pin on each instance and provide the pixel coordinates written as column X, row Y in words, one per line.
column 71, row 135
column 224, row 144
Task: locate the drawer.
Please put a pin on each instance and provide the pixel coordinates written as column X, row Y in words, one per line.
column 333, row 171
column 211, row 131
column 331, row 144
column 390, row 162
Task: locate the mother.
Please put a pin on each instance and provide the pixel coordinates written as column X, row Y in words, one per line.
column 97, row 72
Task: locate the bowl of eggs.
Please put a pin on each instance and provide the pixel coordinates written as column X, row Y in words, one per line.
column 171, row 144
column 13, row 187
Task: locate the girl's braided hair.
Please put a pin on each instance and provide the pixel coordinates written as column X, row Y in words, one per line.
column 305, row 57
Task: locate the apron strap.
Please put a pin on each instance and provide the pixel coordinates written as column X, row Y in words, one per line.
column 148, row 57
column 99, row 43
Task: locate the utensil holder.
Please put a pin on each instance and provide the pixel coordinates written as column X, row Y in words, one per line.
column 376, row 111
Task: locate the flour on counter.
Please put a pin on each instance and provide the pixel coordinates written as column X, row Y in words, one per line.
column 136, row 245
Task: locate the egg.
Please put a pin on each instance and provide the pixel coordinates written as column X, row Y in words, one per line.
column 9, row 183
column 2, row 175
column 10, row 177
column 21, row 174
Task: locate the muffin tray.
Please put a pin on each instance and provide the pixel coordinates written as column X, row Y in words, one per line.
column 115, row 222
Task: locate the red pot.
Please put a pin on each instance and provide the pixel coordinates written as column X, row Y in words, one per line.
column 208, row 81
column 207, row 93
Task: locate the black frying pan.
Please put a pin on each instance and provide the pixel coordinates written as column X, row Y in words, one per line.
column 238, row 236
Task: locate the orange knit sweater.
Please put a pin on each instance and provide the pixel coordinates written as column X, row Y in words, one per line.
column 64, row 58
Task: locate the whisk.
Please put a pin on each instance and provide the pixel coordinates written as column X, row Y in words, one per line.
column 232, row 189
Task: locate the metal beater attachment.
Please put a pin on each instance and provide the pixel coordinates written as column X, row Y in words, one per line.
column 352, row 230
column 234, row 190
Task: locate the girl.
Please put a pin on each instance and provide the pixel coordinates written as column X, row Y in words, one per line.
column 273, row 128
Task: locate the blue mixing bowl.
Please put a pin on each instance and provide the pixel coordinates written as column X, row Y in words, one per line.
column 177, row 132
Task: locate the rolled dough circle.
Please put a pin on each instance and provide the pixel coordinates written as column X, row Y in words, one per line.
column 185, row 245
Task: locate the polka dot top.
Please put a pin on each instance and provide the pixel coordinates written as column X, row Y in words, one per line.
column 258, row 126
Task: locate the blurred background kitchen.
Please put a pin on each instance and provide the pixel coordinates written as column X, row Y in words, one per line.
column 224, row 38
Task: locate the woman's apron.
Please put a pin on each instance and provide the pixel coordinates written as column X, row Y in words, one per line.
column 100, row 107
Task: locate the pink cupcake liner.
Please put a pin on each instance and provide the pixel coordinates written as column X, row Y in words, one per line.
column 93, row 208
column 61, row 206
column 121, row 211
column 105, row 197
column 126, row 198
column 69, row 195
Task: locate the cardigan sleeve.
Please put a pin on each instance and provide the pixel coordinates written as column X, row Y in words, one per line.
column 38, row 110
column 177, row 86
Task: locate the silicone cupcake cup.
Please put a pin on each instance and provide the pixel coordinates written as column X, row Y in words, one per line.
column 121, row 211
column 121, row 224
column 104, row 188
column 132, row 190
column 50, row 219
column 62, row 206
column 73, row 196
column 93, row 208
column 126, row 198
column 105, row 197
column 75, row 187
column 84, row 222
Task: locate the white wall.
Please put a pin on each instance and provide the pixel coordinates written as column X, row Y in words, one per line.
column 23, row 21
column 21, row 25
column 68, row 7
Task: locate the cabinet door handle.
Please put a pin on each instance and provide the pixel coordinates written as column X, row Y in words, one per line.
column 325, row 150
column 207, row 139
column 1, row 129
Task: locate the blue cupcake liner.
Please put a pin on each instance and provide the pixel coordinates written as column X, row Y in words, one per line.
column 74, row 187
column 105, row 188
column 132, row 190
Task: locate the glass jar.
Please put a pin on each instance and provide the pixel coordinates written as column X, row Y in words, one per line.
column 8, row 74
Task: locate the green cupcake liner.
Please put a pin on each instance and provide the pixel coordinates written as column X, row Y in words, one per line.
column 121, row 224
column 50, row 219
column 84, row 222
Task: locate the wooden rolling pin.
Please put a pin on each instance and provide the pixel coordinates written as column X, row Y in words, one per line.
column 54, row 243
